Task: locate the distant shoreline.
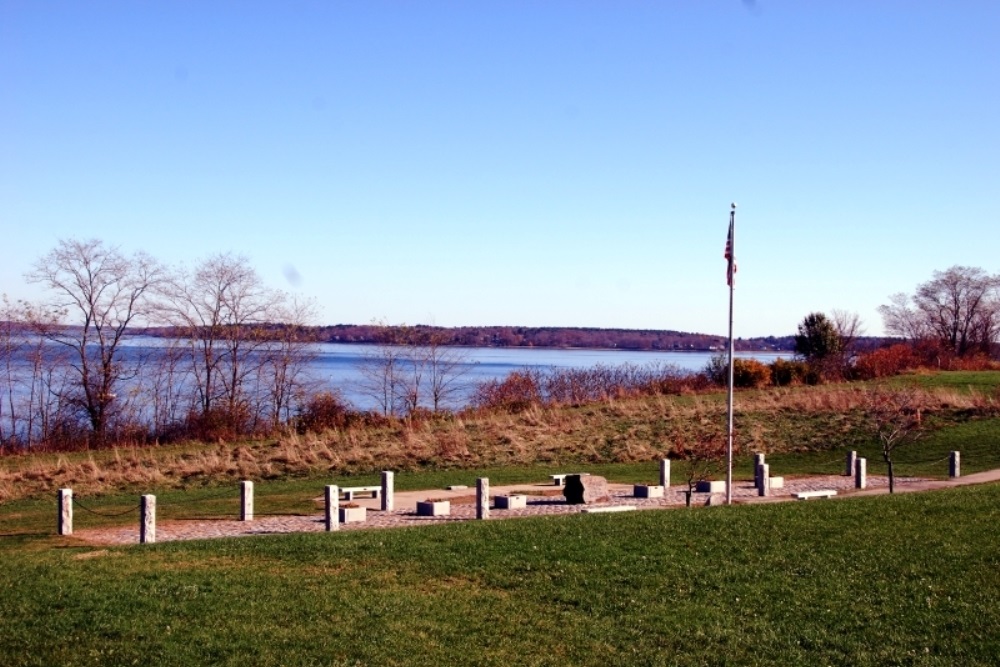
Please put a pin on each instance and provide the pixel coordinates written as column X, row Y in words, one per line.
column 559, row 338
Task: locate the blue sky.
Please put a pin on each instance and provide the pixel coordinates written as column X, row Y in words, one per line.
column 521, row 163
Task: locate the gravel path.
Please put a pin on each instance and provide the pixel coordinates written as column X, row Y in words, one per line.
column 463, row 507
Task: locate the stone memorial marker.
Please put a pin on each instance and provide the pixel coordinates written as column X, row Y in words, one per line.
column 585, row 489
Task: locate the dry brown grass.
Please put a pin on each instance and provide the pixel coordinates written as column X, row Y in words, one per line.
column 622, row 430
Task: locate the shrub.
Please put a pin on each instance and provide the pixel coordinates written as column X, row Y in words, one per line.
column 515, row 393
column 747, row 373
column 219, row 423
column 323, row 412
column 884, row 362
column 786, row 372
column 750, row 374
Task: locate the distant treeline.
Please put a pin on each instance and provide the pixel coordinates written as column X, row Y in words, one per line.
column 544, row 337
column 560, row 337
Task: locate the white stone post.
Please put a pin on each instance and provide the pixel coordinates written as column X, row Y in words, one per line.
column 147, row 519
column 758, row 461
column 955, row 464
column 332, row 507
column 388, row 502
column 483, row 498
column 246, row 501
column 665, row 473
column 764, row 473
column 65, row 511
column 861, row 474
column 852, row 457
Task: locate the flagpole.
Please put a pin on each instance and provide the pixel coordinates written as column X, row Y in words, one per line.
column 729, row 394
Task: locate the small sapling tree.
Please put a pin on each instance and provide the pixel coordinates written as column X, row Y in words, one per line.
column 894, row 419
column 703, row 451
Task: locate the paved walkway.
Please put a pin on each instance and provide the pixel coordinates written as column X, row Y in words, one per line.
column 463, row 507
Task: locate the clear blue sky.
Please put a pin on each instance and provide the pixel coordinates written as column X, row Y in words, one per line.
column 520, row 163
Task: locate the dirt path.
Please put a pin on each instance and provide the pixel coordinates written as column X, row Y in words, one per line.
column 543, row 499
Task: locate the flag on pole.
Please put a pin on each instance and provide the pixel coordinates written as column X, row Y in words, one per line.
column 730, row 257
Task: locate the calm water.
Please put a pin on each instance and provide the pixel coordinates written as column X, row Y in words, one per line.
column 338, row 364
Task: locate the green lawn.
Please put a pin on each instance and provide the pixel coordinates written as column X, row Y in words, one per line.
column 905, row 580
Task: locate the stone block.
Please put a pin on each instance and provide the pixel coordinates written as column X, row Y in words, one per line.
column 331, row 507
column 65, row 523
column 352, row 514
column 852, row 459
column 388, row 490
column 764, row 479
column 709, row 486
column 647, row 491
column 246, row 501
column 147, row 519
column 715, row 500
column 433, row 508
column 777, row 483
column 511, row 502
column 585, row 489
column 483, row 498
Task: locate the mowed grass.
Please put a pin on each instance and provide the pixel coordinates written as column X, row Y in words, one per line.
column 905, row 580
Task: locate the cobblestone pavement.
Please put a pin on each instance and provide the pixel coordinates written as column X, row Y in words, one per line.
column 463, row 509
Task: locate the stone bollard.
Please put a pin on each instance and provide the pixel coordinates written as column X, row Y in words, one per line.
column 852, row 457
column 665, row 473
column 861, row 474
column 147, row 519
column 65, row 521
column 758, row 461
column 388, row 502
column 332, row 496
column 764, row 474
column 955, row 464
column 246, row 501
column 483, row 498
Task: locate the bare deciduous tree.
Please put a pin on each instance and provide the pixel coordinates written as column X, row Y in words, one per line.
column 703, row 451
column 959, row 307
column 894, row 419
column 383, row 373
column 219, row 307
column 106, row 291
column 444, row 366
column 285, row 360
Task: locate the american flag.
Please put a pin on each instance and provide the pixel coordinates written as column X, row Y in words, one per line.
column 730, row 257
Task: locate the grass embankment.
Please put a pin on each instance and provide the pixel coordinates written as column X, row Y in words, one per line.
column 905, row 580
column 815, row 423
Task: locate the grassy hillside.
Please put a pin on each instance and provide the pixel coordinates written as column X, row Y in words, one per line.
column 818, row 423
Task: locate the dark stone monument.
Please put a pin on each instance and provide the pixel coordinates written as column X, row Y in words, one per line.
column 585, row 489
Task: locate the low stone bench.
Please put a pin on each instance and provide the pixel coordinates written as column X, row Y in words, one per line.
column 514, row 501
column 560, row 479
column 608, row 509
column 806, row 495
column 348, row 492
